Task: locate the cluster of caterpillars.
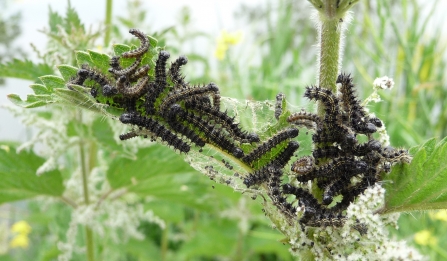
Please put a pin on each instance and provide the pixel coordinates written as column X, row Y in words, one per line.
column 166, row 107
column 339, row 164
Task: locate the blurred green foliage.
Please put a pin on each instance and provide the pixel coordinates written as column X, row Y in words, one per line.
column 9, row 31
column 277, row 54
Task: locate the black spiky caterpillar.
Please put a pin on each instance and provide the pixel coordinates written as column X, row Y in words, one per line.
column 222, row 118
column 280, row 161
column 278, row 105
column 174, row 72
column 276, row 194
column 175, row 121
column 268, row 145
column 144, row 47
column 157, row 129
column 345, row 167
column 306, row 120
column 184, row 94
column 213, row 134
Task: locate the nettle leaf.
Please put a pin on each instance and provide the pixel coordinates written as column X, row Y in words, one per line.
column 84, row 58
column 422, row 184
column 32, row 101
column 79, row 97
column 54, row 20
column 103, row 133
column 219, row 239
column 26, row 70
column 100, row 60
column 43, row 92
column 52, row 82
column 119, row 49
column 39, row 89
column 72, row 21
column 18, row 176
column 160, row 173
column 67, row 71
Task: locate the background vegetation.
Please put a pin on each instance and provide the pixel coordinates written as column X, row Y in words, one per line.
column 203, row 221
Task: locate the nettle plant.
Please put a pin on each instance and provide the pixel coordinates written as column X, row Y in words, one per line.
column 333, row 204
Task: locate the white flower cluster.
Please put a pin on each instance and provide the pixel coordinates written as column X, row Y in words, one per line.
column 383, row 83
column 111, row 215
column 347, row 243
column 50, row 135
column 114, row 218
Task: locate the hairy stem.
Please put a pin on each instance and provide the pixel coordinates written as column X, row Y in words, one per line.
column 331, row 16
column 329, row 53
column 108, row 22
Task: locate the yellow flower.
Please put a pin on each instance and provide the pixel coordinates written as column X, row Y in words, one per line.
column 20, row 240
column 230, row 38
column 21, row 227
column 424, row 237
column 5, row 148
column 439, row 215
column 220, row 51
column 224, row 40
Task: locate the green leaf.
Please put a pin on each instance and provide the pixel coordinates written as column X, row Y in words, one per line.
column 160, row 173
column 120, row 49
column 26, row 70
column 84, row 58
column 264, row 240
column 103, row 133
column 143, row 250
column 72, row 21
column 39, row 89
column 219, row 239
column 67, row 71
column 33, row 101
column 79, row 97
column 101, row 61
column 54, row 20
column 73, row 127
column 422, row 184
column 18, row 176
column 52, row 82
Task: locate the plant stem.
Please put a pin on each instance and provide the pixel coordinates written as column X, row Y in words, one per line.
column 164, row 243
column 88, row 231
column 331, row 16
column 108, row 22
column 329, row 56
column 89, row 243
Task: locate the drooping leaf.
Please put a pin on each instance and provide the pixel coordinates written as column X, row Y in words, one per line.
column 160, row 173
column 18, row 176
column 52, row 82
column 26, row 70
column 32, row 101
column 422, row 184
column 39, row 89
column 67, row 71
column 103, row 133
column 219, row 239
